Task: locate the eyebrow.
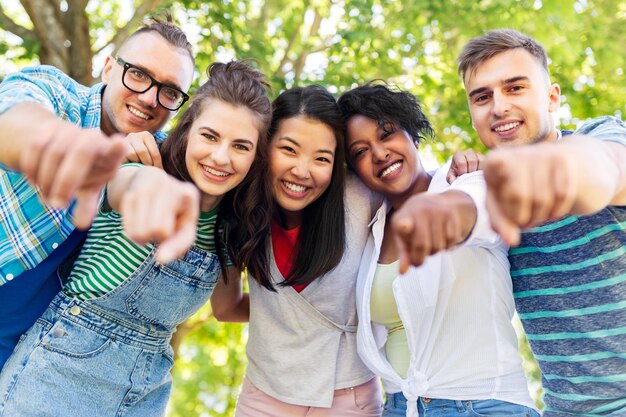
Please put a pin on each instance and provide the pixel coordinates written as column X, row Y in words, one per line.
column 217, row 134
column 504, row 82
column 288, row 139
column 248, row 141
column 353, row 144
column 213, row 131
column 150, row 73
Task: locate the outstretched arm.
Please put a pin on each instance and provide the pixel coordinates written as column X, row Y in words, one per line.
column 156, row 207
column 533, row 184
column 63, row 160
column 228, row 301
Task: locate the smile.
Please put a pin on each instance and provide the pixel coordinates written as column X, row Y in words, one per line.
column 296, row 188
column 391, row 168
column 215, row 172
column 508, row 126
column 138, row 113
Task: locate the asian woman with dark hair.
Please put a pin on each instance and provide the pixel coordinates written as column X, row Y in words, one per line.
column 302, row 357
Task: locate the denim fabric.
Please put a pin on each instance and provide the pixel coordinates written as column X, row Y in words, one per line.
column 109, row 356
column 23, row 301
column 395, row 406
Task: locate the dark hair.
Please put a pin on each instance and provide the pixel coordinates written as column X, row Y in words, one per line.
column 387, row 105
column 169, row 31
column 494, row 42
column 244, row 218
column 321, row 240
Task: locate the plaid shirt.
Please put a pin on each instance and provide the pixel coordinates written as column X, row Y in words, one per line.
column 29, row 230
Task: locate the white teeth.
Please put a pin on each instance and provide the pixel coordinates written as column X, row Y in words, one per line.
column 390, row 169
column 215, row 172
column 294, row 187
column 138, row 113
column 507, row 126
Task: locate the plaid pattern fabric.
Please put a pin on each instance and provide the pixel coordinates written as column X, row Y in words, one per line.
column 29, row 230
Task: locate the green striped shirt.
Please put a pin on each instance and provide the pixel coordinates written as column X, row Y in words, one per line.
column 109, row 257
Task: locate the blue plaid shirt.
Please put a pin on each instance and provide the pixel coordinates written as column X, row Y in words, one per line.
column 30, row 230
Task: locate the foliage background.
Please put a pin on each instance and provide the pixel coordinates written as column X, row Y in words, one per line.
column 339, row 44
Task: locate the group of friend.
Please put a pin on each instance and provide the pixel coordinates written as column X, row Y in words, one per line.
column 362, row 264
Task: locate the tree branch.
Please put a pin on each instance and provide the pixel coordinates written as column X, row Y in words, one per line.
column 315, row 27
column 50, row 32
column 292, row 40
column 10, row 26
column 183, row 330
column 140, row 12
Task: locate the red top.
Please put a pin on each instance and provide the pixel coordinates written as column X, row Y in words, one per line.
column 285, row 250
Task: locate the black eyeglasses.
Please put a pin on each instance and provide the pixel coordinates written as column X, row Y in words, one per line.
column 137, row 81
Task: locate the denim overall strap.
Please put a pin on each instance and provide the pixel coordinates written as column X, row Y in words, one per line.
column 108, row 356
column 163, row 296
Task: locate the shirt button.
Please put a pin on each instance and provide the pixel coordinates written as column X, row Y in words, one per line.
column 9, row 277
column 55, row 245
column 75, row 311
column 426, row 400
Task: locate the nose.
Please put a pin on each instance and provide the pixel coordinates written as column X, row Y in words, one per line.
column 221, row 155
column 149, row 98
column 301, row 169
column 501, row 105
column 379, row 152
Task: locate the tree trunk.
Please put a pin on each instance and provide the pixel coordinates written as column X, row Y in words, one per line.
column 62, row 32
column 46, row 18
column 76, row 24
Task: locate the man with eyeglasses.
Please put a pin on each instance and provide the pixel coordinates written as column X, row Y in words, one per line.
column 60, row 142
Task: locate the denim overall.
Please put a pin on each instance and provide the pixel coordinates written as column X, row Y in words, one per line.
column 108, row 356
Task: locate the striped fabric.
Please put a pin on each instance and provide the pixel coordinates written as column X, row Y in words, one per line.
column 29, row 230
column 109, row 257
column 569, row 282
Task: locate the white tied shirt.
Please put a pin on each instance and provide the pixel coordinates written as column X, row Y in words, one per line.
column 456, row 309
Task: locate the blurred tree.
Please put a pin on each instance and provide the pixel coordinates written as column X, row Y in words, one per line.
column 339, row 44
column 64, row 33
column 344, row 43
column 210, row 364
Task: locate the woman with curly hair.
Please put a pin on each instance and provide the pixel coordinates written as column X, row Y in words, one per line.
column 439, row 335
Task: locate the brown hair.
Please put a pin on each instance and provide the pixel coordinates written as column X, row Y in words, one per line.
column 245, row 212
column 494, row 42
column 169, row 31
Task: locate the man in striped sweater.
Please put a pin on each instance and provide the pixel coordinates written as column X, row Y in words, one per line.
column 566, row 193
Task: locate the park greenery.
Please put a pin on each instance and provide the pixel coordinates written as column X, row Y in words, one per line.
column 339, row 44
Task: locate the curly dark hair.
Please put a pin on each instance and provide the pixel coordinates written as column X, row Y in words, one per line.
column 388, row 106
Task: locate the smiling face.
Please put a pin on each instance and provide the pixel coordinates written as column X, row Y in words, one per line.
column 221, row 147
column 302, row 154
column 125, row 111
column 384, row 157
column 510, row 100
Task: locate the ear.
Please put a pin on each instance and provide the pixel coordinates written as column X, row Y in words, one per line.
column 106, row 71
column 554, row 97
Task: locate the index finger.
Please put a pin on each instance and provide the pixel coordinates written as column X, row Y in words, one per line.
column 183, row 237
column 150, row 142
column 509, row 232
column 403, row 228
